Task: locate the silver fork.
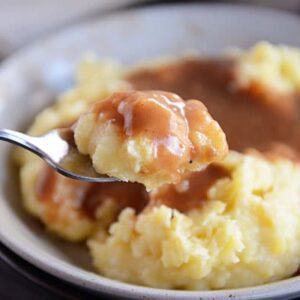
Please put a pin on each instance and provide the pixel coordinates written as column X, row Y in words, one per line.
column 58, row 149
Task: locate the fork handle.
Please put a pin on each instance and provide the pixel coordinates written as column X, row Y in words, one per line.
column 19, row 139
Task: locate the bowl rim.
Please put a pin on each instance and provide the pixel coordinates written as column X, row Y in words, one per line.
column 287, row 287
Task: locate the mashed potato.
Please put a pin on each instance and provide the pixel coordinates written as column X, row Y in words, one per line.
column 275, row 67
column 151, row 137
column 61, row 217
column 246, row 233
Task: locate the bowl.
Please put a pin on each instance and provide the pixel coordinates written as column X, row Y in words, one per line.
column 34, row 76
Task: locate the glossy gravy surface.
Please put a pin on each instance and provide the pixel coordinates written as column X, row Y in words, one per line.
column 169, row 123
column 158, row 116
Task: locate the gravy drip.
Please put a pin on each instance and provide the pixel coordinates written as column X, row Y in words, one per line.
column 191, row 192
column 158, row 116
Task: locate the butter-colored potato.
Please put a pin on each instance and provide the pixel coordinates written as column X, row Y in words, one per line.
column 246, row 233
column 273, row 67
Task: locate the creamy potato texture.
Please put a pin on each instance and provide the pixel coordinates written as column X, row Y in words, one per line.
column 241, row 236
column 233, row 224
column 272, row 67
column 151, row 137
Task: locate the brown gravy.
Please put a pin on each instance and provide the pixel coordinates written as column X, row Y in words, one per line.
column 191, row 191
column 252, row 118
column 156, row 115
column 84, row 198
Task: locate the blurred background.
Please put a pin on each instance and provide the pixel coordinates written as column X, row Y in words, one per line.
column 21, row 22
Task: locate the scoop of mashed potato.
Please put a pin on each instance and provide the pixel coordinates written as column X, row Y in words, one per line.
column 246, row 232
column 270, row 66
column 151, row 137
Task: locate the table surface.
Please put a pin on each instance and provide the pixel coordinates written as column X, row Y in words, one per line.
column 21, row 280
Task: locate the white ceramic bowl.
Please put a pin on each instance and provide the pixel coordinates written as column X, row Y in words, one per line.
column 32, row 77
